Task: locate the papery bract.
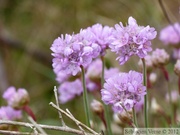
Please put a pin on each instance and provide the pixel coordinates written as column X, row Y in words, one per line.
column 170, row 34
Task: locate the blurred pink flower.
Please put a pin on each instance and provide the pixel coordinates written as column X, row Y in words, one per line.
column 8, row 113
column 16, row 99
column 170, row 34
column 160, row 57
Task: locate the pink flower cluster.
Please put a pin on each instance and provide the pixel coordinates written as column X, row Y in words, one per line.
column 16, row 99
column 68, row 90
column 72, row 51
column 123, row 90
column 132, row 40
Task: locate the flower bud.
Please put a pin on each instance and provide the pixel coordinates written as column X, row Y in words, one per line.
column 16, row 99
column 97, row 107
column 160, row 57
column 155, row 107
column 126, row 117
column 177, row 68
column 117, row 120
column 153, row 78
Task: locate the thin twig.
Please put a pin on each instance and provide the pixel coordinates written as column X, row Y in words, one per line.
column 5, row 132
column 58, row 128
column 57, row 103
column 37, row 126
column 77, row 123
column 33, row 128
column 75, row 120
column 167, row 17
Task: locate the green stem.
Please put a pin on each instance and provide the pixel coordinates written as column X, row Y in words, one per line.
column 85, row 97
column 146, row 96
column 105, row 106
column 134, row 117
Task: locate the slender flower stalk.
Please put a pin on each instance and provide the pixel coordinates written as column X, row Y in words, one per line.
column 105, row 106
column 171, row 104
column 145, row 96
column 179, row 84
column 134, row 117
column 85, row 98
column 169, row 93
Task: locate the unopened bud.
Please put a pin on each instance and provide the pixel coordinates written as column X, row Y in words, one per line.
column 177, row 68
column 117, row 120
column 160, row 57
column 97, row 107
column 126, row 117
column 155, row 107
column 153, row 78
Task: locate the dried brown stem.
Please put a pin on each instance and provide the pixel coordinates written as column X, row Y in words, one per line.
column 5, row 132
column 72, row 118
column 57, row 103
column 58, row 128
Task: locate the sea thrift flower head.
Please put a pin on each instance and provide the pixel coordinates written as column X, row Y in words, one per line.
column 177, row 68
column 69, row 90
column 8, row 113
column 148, row 62
column 101, row 36
column 160, row 57
column 72, row 51
column 16, row 99
column 123, row 90
column 170, row 34
column 94, row 70
column 97, row 107
column 132, row 40
column 174, row 95
column 110, row 72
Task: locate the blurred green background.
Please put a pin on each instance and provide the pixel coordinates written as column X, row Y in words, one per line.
column 29, row 27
